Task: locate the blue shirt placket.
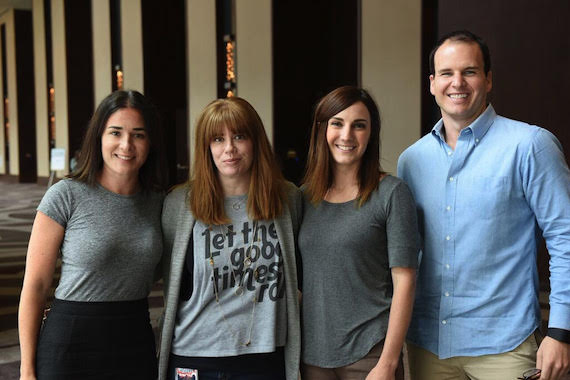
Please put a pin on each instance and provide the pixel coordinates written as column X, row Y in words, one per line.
column 456, row 159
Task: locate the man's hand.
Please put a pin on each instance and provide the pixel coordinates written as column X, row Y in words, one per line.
column 381, row 372
column 553, row 358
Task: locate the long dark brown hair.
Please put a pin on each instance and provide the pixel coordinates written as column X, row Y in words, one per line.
column 319, row 175
column 152, row 175
column 265, row 195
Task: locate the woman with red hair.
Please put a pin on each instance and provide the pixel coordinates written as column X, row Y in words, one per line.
column 231, row 303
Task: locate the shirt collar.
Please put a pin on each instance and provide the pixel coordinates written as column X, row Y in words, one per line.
column 478, row 127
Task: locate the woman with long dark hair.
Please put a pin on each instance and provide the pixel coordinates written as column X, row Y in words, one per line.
column 104, row 219
column 231, row 302
column 359, row 245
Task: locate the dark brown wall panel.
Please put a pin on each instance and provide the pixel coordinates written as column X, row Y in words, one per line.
column 315, row 49
column 79, row 50
column 26, row 95
column 164, row 52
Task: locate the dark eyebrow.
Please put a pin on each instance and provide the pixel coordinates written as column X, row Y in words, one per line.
column 465, row 68
column 341, row 119
column 120, row 128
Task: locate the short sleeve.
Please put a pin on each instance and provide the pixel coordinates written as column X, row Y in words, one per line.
column 56, row 203
column 402, row 228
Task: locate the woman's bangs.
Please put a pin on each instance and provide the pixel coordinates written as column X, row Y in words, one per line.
column 232, row 120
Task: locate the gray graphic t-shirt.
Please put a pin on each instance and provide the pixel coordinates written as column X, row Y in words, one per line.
column 234, row 265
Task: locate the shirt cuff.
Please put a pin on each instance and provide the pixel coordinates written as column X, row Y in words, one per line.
column 560, row 335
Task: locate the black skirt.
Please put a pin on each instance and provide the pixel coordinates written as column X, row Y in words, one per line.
column 97, row 340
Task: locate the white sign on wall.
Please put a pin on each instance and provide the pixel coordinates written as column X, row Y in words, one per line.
column 57, row 159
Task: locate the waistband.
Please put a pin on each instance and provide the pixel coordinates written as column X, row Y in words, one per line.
column 261, row 362
column 111, row 308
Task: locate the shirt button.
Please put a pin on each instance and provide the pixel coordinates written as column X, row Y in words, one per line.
column 450, row 179
column 446, row 294
column 449, row 153
column 448, row 237
column 476, row 140
column 446, row 266
column 444, row 322
column 448, row 208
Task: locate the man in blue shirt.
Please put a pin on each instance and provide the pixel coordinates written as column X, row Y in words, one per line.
column 486, row 187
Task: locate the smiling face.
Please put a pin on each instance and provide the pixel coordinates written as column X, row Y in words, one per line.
column 124, row 144
column 459, row 84
column 232, row 154
column 348, row 133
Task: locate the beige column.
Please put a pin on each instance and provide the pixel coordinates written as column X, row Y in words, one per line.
column 41, row 89
column 391, row 62
column 201, row 58
column 132, row 45
column 254, row 63
column 102, row 71
column 60, row 79
column 8, row 20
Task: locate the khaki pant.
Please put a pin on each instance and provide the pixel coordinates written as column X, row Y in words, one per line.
column 355, row 371
column 424, row 365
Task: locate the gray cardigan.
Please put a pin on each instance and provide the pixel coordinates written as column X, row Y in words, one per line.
column 177, row 225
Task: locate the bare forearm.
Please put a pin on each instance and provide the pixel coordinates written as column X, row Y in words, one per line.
column 30, row 314
column 400, row 315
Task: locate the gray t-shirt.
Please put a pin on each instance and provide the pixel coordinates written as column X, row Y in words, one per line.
column 112, row 242
column 347, row 254
column 208, row 328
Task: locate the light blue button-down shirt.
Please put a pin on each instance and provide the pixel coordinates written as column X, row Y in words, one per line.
column 481, row 210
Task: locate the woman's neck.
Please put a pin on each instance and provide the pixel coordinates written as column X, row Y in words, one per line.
column 237, row 186
column 345, row 185
column 123, row 185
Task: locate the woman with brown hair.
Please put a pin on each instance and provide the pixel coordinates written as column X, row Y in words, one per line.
column 359, row 245
column 103, row 221
column 231, row 304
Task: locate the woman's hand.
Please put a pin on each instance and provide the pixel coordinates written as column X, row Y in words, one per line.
column 382, row 372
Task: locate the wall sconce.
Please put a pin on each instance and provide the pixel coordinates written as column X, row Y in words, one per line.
column 230, row 78
column 118, row 77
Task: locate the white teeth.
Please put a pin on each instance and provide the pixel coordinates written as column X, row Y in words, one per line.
column 124, row 157
column 345, row 147
column 457, row 96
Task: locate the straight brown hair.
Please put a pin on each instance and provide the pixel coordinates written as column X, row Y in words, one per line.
column 266, row 193
column 319, row 175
